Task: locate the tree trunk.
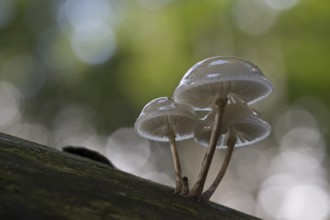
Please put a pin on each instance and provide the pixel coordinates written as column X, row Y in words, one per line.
column 39, row 182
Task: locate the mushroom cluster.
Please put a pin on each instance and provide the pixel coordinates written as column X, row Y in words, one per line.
column 225, row 87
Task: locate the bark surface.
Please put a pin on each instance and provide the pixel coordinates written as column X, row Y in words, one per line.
column 39, row 182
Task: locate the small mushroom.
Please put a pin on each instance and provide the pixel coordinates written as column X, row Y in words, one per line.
column 248, row 123
column 242, row 126
column 207, row 85
column 164, row 120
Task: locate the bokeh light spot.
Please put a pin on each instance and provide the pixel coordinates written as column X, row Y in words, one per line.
column 10, row 104
column 128, row 151
column 31, row 131
column 272, row 193
column 154, row 4
column 253, row 16
column 93, row 43
column 92, row 38
column 79, row 13
column 305, row 202
column 293, row 117
column 291, row 163
column 74, row 124
column 281, row 4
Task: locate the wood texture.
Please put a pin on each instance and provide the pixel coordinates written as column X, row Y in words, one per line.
column 39, row 182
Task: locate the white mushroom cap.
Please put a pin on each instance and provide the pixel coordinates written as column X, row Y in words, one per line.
column 216, row 77
column 250, row 128
column 162, row 116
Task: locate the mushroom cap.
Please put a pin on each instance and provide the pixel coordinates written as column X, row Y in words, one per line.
column 249, row 126
column 216, row 77
column 163, row 116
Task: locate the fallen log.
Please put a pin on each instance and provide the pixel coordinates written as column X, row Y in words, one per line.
column 40, row 182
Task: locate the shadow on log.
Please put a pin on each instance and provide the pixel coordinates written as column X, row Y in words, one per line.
column 39, row 182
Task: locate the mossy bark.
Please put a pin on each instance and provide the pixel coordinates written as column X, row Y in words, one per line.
column 39, row 182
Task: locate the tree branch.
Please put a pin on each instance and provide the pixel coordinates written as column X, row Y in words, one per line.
column 38, row 182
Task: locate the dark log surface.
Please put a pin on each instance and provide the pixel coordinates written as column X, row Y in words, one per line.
column 39, row 182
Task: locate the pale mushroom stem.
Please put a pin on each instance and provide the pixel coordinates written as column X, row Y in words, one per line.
column 185, row 186
column 230, row 148
column 176, row 162
column 197, row 189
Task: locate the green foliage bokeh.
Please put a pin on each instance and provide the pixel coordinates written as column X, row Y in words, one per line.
column 155, row 44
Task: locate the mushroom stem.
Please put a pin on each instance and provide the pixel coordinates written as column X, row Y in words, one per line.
column 196, row 191
column 230, row 148
column 176, row 162
column 185, row 186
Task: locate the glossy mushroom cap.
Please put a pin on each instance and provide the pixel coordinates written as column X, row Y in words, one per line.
column 250, row 128
column 217, row 77
column 162, row 116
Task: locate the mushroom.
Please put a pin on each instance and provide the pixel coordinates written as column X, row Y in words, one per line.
column 207, row 84
column 241, row 126
column 164, row 120
column 239, row 115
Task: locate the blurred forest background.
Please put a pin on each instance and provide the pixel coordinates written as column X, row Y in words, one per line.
column 79, row 72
